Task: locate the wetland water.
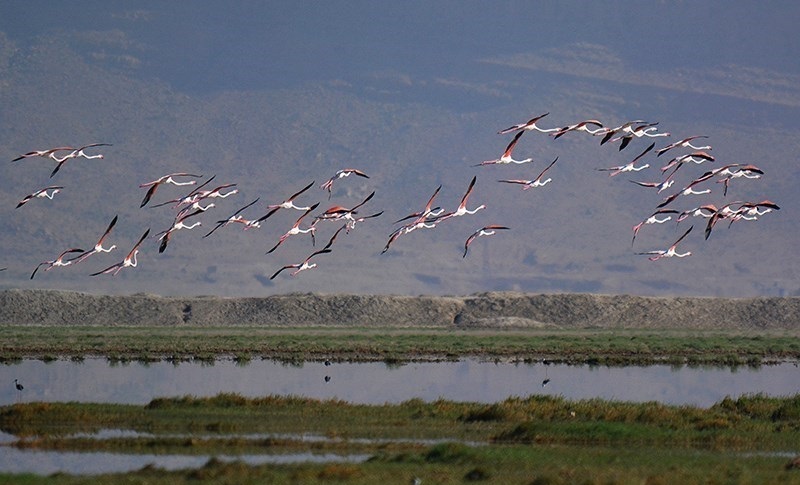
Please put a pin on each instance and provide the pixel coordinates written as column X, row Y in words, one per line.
column 97, row 380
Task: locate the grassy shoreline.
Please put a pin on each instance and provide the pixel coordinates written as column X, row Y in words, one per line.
column 584, row 346
column 535, row 439
column 518, row 440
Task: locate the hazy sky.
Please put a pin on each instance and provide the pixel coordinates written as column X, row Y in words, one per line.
column 415, row 91
column 209, row 46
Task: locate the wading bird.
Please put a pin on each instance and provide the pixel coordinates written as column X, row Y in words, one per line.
column 537, row 182
column 235, row 217
column 337, row 213
column 685, row 143
column 653, row 219
column 177, row 225
column 295, row 229
column 489, row 230
column 529, row 125
column 506, row 157
column 98, row 247
column 328, row 185
column 462, row 207
column 629, row 167
column 671, row 251
column 41, row 194
column 301, row 266
column 582, row 126
column 49, row 153
column 286, row 204
column 78, row 152
column 166, row 179
column 129, row 261
column 59, row 261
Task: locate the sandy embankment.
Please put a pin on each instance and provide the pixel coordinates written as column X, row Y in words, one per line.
column 486, row 310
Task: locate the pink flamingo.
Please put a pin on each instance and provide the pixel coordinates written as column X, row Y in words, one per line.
column 671, row 251
column 295, row 229
column 287, row 204
column 59, row 261
column 489, row 230
column 298, row 267
column 98, row 247
column 506, row 157
column 49, row 153
column 79, row 152
column 629, row 167
column 129, row 261
column 41, row 194
column 341, row 174
column 685, row 143
column 537, row 182
column 462, row 207
column 166, row 179
column 235, row 217
column 529, row 125
column 653, row 219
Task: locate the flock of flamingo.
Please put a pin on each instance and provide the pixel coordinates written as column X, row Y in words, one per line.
column 200, row 199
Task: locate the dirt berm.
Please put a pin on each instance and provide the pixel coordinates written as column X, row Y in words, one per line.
column 485, row 310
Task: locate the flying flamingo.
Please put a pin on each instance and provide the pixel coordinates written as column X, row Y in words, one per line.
column 129, row 261
column 507, row 158
column 694, row 157
column 59, row 261
column 351, row 224
column 581, row 126
column 337, row 213
column 235, row 217
column 705, row 211
column 661, row 186
column 98, row 247
column 746, row 211
column 189, row 198
column 79, row 152
column 688, row 190
column 166, row 179
column 685, row 143
column 537, row 182
column 287, row 204
column 653, row 219
column 746, row 171
column 638, row 132
column 489, row 230
column 629, row 167
column 671, row 251
column 529, row 125
column 177, row 225
column 608, row 133
column 462, row 207
column 49, row 153
column 41, row 194
column 428, row 211
column 298, row 267
column 295, row 229
column 341, row 174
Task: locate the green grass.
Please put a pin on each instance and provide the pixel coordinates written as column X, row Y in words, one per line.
column 538, row 439
column 601, row 347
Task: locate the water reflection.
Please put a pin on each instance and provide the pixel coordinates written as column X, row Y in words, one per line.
column 95, row 380
column 13, row 460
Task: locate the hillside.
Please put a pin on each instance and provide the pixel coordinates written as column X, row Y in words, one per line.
column 487, row 310
column 572, row 236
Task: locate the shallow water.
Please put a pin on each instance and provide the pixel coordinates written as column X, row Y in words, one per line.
column 96, row 380
column 13, row 460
